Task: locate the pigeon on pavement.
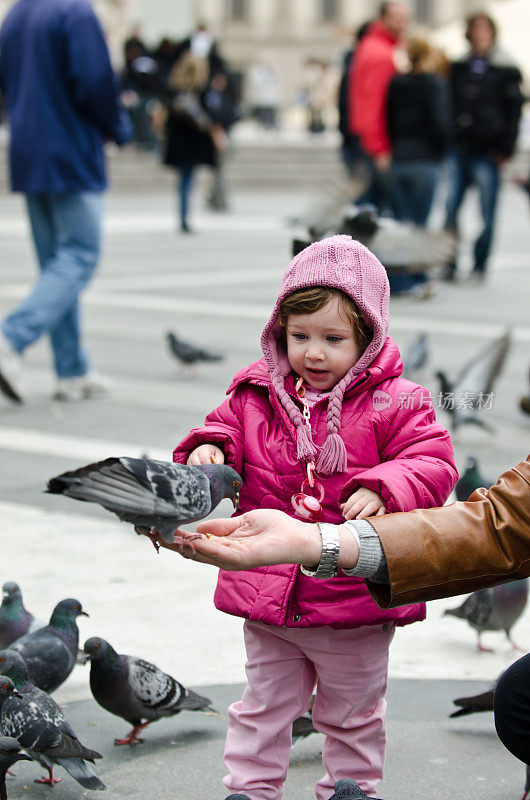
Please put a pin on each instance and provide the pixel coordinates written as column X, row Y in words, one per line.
column 188, row 354
column 136, row 690
column 44, row 741
column 473, row 386
column 10, row 752
column 50, row 653
column 495, row 609
column 12, row 666
column 151, row 494
column 15, row 620
column 347, row 789
column 470, row 480
column 416, row 356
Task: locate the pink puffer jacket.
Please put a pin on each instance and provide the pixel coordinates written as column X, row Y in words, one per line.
column 394, row 447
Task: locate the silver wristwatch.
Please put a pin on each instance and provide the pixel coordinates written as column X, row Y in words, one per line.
column 327, row 567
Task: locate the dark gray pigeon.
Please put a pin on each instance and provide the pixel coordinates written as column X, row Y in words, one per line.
column 24, row 721
column 151, row 494
column 12, row 665
column 136, row 690
column 473, row 385
column 470, row 480
column 189, row 354
column 495, row 609
column 50, row 654
column 10, row 753
column 347, row 789
column 15, row 620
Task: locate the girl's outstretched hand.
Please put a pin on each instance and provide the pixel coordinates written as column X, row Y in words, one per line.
column 206, row 454
column 258, row 538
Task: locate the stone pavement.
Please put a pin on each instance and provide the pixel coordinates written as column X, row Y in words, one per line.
column 216, row 289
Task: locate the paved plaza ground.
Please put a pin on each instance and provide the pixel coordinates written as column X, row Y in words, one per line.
column 216, row 288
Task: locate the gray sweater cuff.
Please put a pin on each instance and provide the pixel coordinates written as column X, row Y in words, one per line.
column 372, row 561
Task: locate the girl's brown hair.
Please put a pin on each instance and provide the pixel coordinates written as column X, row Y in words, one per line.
column 313, row 298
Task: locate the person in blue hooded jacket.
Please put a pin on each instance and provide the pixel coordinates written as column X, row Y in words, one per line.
column 62, row 104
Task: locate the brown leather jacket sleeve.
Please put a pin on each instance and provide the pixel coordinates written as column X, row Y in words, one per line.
column 459, row 548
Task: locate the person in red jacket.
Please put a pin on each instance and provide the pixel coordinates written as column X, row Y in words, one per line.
column 371, row 71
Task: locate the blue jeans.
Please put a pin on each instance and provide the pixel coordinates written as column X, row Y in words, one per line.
column 465, row 171
column 66, row 231
column 411, row 185
column 184, row 190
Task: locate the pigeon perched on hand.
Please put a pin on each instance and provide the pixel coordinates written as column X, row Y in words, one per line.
column 495, row 609
column 15, row 620
column 470, row 480
column 188, row 354
column 24, row 721
column 50, row 653
column 151, row 494
column 473, row 385
column 10, row 753
column 136, row 690
column 13, row 666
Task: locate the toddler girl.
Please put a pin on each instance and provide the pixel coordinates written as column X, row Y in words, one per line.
column 324, row 428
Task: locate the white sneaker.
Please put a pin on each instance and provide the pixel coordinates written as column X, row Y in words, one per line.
column 10, row 370
column 86, row 387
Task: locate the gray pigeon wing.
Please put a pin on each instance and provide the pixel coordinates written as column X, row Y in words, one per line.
column 47, row 657
column 186, row 489
column 151, row 686
column 479, row 374
column 49, row 709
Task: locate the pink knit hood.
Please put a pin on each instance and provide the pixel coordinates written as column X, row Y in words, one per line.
column 338, row 262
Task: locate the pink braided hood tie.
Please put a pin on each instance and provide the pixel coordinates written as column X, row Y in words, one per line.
column 338, row 262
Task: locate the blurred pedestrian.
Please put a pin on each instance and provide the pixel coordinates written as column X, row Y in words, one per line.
column 223, row 114
column 61, row 97
column 263, row 90
column 350, row 148
column 371, row 71
column 486, row 102
column 140, row 86
column 419, row 128
column 189, row 133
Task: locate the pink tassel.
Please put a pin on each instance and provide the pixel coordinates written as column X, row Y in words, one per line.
column 332, row 457
column 305, row 449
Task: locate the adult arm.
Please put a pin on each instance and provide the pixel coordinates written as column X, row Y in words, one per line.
column 458, row 548
column 369, row 78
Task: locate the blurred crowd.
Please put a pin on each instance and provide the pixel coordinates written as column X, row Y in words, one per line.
column 402, row 119
column 406, row 113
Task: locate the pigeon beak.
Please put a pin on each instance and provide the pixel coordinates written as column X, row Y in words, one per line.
column 83, row 614
column 16, row 693
column 235, row 500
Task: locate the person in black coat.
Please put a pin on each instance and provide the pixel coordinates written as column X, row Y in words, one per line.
column 419, row 126
column 486, row 107
column 189, row 133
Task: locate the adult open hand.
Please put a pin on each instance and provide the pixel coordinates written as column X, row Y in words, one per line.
column 256, row 539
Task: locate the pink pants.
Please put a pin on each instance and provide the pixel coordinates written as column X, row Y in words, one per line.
column 349, row 668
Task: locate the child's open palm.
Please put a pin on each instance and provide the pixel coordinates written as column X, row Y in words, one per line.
column 361, row 504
